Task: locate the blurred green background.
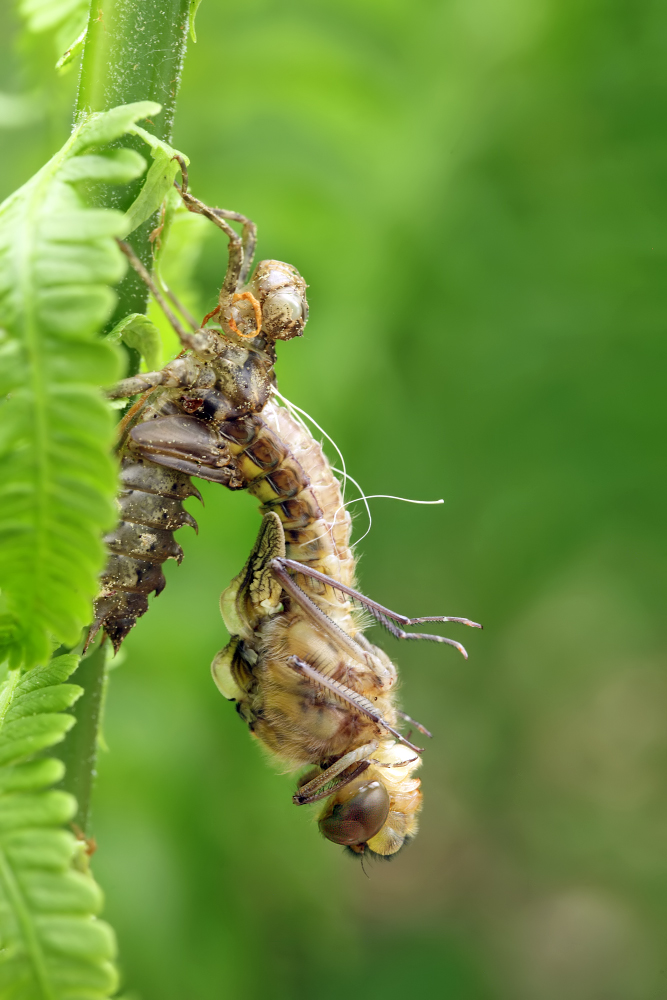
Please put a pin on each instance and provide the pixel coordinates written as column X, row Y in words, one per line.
column 476, row 192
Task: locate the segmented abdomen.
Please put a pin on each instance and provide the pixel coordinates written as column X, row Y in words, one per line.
column 302, row 489
column 150, row 510
column 270, row 454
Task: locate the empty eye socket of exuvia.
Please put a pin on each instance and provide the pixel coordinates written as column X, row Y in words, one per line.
column 285, row 313
column 358, row 819
column 285, row 303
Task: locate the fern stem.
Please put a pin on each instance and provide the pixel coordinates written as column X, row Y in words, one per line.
column 134, row 51
column 78, row 751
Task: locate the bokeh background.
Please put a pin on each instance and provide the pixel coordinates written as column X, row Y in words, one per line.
column 476, row 192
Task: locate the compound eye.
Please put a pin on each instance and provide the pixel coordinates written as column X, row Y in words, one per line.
column 358, row 819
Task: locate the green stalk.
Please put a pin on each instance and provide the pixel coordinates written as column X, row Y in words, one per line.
column 78, row 751
column 134, row 51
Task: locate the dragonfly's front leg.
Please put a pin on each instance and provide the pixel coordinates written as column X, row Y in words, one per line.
column 314, row 789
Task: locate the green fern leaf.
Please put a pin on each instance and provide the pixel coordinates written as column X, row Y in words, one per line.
column 52, row 946
column 57, row 261
column 65, row 19
column 138, row 332
column 159, row 180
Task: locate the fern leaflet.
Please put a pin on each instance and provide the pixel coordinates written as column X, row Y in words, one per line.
column 57, row 260
column 52, row 947
column 65, row 19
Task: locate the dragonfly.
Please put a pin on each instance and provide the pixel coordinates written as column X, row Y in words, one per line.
column 305, row 679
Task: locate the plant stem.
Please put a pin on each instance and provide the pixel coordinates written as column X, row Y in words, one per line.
column 78, row 751
column 134, row 51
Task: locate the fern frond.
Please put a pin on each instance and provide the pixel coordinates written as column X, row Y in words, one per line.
column 139, row 333
column 65, row 19
column 159, row 179
column 52, row 947
column 57, row 261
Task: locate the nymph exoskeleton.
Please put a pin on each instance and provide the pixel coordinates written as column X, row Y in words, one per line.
column 309, row 684
column 195, row 416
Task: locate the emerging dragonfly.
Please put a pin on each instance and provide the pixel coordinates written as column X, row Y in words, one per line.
column 309, row 684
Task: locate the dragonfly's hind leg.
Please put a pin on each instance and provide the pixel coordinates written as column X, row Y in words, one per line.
column 400, row 634
column 385, row 616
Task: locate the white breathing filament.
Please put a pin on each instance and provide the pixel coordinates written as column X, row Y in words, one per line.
column 377, row 496
column 294, row 410
column 362, row 496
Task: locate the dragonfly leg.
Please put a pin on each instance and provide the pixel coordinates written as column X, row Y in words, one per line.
column 385, row 616
column 183, row 335
column 206, row 343
column 179, row 373
column 368, row 602
column 317, row 616
column 187, row 444
column 312, row 790
column 248, row 240
column 349, row 696
column 413, row 722
column 175, row 301
column 400, row 634
column 131, row 386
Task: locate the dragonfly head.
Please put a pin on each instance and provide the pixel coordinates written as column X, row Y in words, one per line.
column 355, row 820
